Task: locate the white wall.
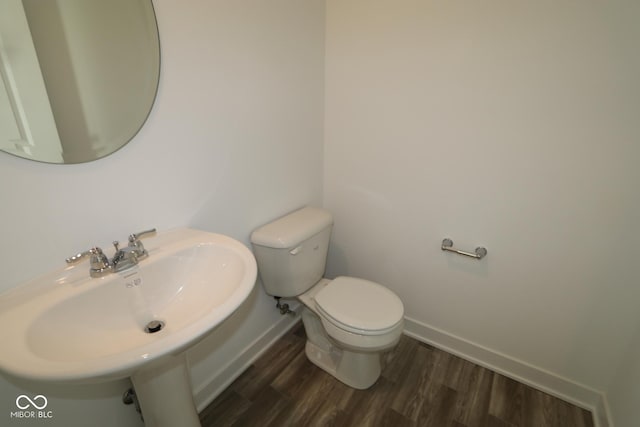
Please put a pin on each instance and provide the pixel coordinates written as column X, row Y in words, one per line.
column 234, row 140
column 512, row 125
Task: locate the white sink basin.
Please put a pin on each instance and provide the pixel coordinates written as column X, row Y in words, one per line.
column 66, row 326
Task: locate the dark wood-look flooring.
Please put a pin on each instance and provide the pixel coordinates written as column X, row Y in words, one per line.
column 420, row 386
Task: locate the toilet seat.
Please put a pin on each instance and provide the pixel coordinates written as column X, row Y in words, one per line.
column 359, row 306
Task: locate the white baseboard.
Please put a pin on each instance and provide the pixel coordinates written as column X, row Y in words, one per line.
column 220, row 380
column 548, row 382
column 602, row 413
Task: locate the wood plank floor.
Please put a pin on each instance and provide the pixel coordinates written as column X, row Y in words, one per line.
column 419, row 386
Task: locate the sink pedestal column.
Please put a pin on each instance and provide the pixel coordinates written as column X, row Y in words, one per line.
column 164, row 394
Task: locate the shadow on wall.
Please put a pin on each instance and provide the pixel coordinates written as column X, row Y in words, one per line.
column 224, row 332
column 337, row 264
column 71, row 391
column 99, row 405
column 460, row 263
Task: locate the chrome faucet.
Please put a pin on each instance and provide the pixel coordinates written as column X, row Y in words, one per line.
column 129, row 256
column 124, row 258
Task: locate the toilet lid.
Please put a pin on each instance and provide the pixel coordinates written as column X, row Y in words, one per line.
column 359, row 304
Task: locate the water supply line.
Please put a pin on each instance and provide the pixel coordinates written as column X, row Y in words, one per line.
column 284, row 308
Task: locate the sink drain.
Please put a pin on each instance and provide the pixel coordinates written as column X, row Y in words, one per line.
column 154, row 326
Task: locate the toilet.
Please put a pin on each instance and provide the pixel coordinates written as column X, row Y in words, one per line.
column 349, row 322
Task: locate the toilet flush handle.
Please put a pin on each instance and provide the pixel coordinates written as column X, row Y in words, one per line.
column 296, row 250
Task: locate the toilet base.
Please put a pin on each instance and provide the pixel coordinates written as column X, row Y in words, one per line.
column 359, row 370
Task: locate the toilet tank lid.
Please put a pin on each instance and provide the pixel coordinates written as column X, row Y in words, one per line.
column 292, row 229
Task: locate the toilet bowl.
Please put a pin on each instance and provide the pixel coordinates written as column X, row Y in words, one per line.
column 348, row 321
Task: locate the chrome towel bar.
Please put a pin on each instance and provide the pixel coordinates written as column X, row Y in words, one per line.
column 447, row 245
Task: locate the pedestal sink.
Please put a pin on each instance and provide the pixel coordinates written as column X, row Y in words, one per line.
column 68, row 327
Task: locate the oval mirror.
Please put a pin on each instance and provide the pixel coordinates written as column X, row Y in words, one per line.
column 77, row 77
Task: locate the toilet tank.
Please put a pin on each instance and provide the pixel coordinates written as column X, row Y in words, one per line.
column 291, row 251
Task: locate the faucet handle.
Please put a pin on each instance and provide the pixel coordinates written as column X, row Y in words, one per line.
column 98, row 261
column 81, row 255
column 137, row 236
column 134, row 242
column 78, row 257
